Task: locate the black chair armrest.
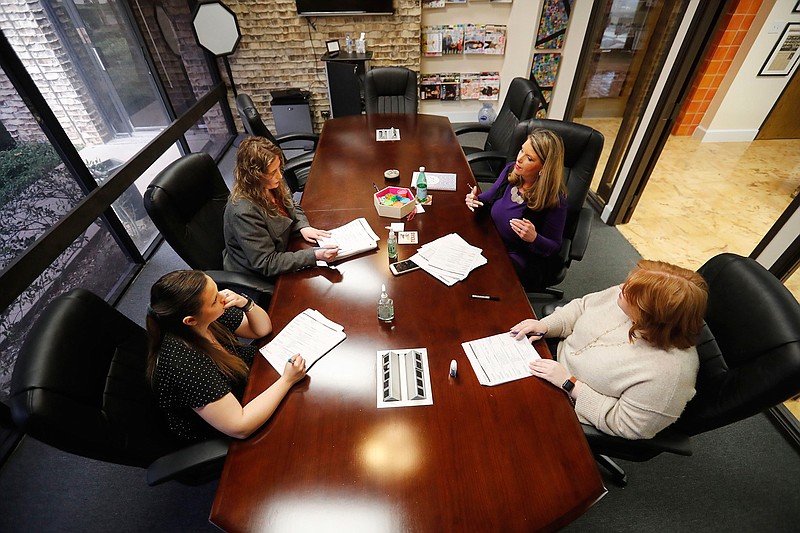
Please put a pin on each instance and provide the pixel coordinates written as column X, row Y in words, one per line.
column 582, row 231
column 239, row 282
column 486, row 156
column 668, row 440
column 193, row 465
column 472, row 127
column 291, row 172
column 289, row 137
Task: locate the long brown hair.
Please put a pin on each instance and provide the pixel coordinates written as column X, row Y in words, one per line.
column 172, row 298
column 668, row 303
column 549, row 186
column 255, row 154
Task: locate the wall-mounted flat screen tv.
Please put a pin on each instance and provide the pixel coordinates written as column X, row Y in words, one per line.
column 320, row 8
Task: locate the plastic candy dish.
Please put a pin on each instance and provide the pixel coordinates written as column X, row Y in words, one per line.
column 394, row 202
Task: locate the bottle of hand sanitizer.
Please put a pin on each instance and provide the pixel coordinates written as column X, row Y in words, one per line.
column 385, row 306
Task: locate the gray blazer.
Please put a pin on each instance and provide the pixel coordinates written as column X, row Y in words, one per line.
column 256, row 242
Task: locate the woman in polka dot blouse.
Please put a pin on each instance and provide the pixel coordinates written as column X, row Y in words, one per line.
column 196, row 366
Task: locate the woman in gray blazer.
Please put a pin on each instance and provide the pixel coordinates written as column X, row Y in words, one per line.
column 261, row 217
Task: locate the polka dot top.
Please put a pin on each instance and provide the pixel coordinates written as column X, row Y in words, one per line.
column 186, row 379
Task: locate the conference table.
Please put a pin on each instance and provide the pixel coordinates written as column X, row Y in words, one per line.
column 506, row 458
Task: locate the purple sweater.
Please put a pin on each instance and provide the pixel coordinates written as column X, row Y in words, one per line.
column 549, row 223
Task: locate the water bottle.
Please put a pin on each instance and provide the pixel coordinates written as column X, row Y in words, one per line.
column 422, row 186
column 385, row 306
column 348, row 44
column 486, row 114
column 392, row 247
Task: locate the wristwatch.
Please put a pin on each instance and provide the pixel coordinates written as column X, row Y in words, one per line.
column 569, row 384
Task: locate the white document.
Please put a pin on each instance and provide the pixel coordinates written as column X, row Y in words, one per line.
column 449, row 259
column 310, row 334
column 500, row 358
column 437, row 181
column 352, row 238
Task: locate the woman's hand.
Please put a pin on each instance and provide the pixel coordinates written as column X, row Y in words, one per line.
column 312, row 234
column 326, row 253
column 295, row 369
column 472, row 199
column 524, row 229
column 549, row 370
column 232, row 299
column 529, row 326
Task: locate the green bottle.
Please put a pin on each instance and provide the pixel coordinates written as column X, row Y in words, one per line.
column 422, row 186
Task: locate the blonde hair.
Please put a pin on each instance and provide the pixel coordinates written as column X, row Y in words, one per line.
column 549, row 186
column 254, row 156
column 668, row 303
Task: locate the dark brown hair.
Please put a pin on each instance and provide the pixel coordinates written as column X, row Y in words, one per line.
column 255, row 154
column 172, row 298
column 668, row 303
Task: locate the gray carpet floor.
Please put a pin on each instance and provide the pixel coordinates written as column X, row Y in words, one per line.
column 741, row 478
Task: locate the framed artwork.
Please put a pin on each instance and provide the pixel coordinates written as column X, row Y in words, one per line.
column 553, row 24
column 332, row 46
column 785, row 53
column 796, row 8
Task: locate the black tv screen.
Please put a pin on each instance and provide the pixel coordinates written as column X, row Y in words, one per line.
column 318, row 8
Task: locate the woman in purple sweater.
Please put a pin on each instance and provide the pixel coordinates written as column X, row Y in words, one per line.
column 528, row 204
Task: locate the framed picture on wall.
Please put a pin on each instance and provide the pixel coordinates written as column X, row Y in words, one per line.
column 785, row 53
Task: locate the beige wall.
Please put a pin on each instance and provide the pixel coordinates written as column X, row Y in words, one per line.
column 280, row 50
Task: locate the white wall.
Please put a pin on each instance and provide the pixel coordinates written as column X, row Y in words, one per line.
column 744, row 99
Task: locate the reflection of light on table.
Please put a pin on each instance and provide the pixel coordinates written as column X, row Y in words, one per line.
column 318, row 512
column 392, row 451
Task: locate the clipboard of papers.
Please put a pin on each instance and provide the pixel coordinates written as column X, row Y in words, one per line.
column 500, row 358
column 310, row 334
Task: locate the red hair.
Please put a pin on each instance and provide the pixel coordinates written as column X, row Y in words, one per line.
column 668, row 304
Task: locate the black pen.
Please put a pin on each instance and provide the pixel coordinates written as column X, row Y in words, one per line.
column 484, row 297
column 376, row 187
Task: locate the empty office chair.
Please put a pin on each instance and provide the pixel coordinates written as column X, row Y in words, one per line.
column 79, row 385
column 186, row 202
column 742, row 373
column 582, row 148
column 521, row 103
column 391, row 90
column 297, row 167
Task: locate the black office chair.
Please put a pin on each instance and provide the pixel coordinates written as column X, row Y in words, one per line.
column 297, row 167
column 521, row 103
column 79, row 385
column 391, row 90
column 749, row 361
column 186, row 202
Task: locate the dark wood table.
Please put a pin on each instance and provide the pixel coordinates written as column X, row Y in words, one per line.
column 504, row 458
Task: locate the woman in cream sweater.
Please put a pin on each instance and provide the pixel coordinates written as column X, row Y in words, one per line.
column 627, row 357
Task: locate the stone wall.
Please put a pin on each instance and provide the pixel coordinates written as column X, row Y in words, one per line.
column 280, row 50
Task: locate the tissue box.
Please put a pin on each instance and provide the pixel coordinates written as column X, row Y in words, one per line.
column 398, row 209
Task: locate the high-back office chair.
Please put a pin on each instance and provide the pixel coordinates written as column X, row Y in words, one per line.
column 297, row 167
column 186, row 202
column 391, row 90
column 749, row 361
column 521, row 103
column 79, row 385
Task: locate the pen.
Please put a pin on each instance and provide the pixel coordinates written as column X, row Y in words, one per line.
column 484, row 297
column 531, row 334
column 290, row 360
column 469, row 206
column 376, row 187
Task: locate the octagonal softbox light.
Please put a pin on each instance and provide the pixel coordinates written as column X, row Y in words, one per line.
column 215, row 27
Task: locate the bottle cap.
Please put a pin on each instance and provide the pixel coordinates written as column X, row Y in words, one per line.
column 422, row 169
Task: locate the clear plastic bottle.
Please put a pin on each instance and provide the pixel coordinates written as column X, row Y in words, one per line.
column 422, row 186
column 486, row 114
column 348, row 44
column 385, row 306
column 392, row 246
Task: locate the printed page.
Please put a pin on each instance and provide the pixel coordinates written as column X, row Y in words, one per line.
column 310, row 334
column 500, row 358
column 352, row 238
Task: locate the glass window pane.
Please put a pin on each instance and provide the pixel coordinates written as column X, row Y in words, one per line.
column 210, row 134
column 94, row 261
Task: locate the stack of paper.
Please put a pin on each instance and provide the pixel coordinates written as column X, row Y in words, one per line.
column 310, row 334
column 437, row 181
column 352, row 238
column 500, row 358
column 449, row 259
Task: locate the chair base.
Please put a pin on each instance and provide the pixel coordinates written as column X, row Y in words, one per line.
column 618, row 475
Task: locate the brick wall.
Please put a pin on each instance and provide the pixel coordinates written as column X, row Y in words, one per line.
column 280, row 50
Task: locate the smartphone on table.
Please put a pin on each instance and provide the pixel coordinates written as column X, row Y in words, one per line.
column 401, row 267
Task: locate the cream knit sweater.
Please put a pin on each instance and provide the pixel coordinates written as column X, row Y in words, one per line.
column 632, row 390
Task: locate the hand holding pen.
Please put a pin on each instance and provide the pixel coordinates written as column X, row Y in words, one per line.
column 472, row 198
column 531, row 328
